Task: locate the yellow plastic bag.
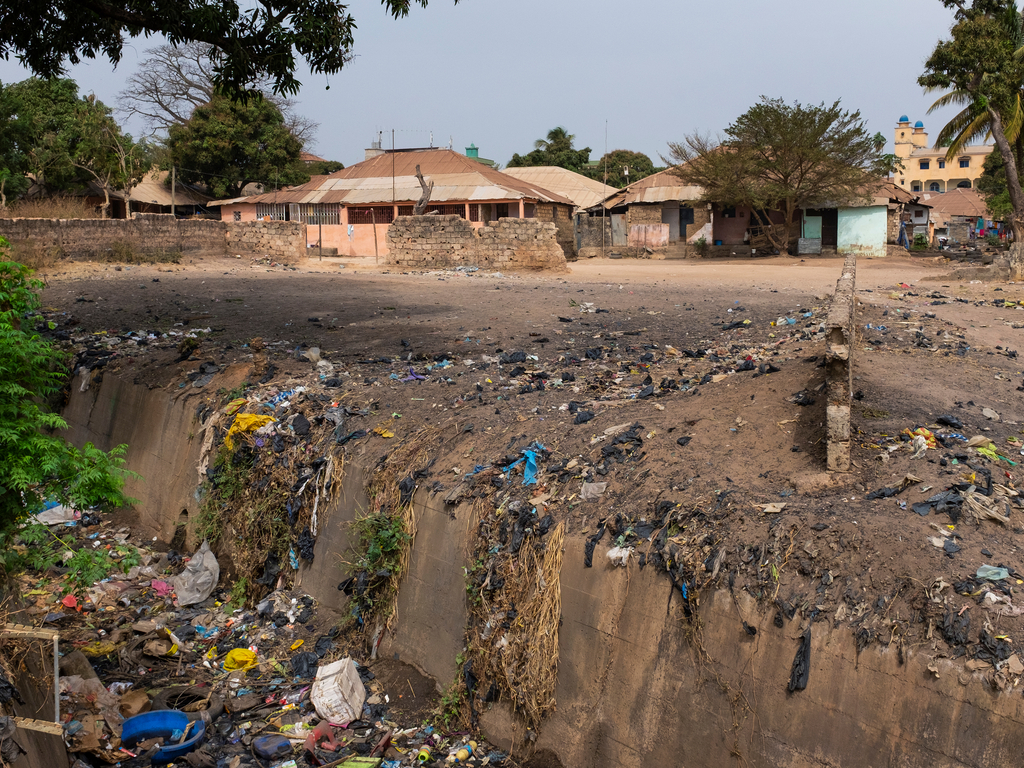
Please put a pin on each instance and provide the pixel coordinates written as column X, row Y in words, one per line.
column 239, row 658
column 245, row 422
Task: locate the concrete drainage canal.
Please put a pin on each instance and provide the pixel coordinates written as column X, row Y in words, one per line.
column 548, row 560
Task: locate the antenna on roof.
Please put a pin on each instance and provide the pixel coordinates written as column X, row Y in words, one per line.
column 451, row 142
column 431, row 139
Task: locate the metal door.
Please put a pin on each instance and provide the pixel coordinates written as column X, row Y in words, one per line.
column 618, row 229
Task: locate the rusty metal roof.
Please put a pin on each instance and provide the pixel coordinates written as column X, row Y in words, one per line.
column 391, row 177
column 660, row 187
column 582, row 190
column 956, row 202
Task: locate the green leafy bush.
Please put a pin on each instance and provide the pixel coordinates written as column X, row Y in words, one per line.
column 37, row 463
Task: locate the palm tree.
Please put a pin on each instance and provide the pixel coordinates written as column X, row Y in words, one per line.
column 557, row 138
column 974, row 121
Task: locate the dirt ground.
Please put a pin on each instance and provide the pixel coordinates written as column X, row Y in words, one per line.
column 594, row 341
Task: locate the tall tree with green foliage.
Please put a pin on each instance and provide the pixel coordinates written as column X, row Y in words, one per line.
column 13, row 158
column 616, row 162
column 249, row 42
column 782, row 157
column 227, row 144
column 64, row 140
column 982, row 67
column 37, row 463
column 556, row 149
column 992, row 186
column 47, row 112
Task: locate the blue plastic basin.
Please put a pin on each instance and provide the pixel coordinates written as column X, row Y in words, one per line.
column 163, row 723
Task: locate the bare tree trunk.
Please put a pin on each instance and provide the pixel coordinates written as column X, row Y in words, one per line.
column 106, row 202
column 3, row 196
column 428, row 187
column 1016, row 197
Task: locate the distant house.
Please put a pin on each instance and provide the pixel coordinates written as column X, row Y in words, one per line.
column 151, row 195
column 351, row 209
column 654, row 212
column 958, row 213
column 583, row 191
column 926, row 169
column 867, row 226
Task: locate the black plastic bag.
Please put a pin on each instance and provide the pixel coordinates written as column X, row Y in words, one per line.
column 801, row 664
column 305, row 664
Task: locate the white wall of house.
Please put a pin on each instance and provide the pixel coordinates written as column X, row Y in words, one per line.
column 863, row 230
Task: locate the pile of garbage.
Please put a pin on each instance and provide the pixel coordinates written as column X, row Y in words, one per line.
column 159, row 666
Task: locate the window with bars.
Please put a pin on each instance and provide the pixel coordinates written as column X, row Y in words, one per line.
column 457, row 209
column 474, row 211
column 271, row 211
column 320, row 213
column 406, row 210
column 379, row 214
column 501, row 211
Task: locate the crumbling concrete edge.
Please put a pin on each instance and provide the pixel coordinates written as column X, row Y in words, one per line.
column 839, row 339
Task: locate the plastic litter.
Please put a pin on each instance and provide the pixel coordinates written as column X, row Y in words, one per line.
column 239, row 658
column 338, row 693
column 992, row 573
column 245, row 422
column 197, row 581
column 592, row 491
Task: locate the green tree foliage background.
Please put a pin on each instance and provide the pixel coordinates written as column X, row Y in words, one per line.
column 228, row 144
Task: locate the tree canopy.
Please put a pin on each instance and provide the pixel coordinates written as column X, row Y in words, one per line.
column 227, row 144
column 63, row 140
column 616, row 161
column 782, row 157
column 248, row 42
column 982, row 68
column 992, row 186
column 172, row 80
column 556, row 149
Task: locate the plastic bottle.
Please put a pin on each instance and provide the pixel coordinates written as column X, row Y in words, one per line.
column 462, row 755
column 424, row 755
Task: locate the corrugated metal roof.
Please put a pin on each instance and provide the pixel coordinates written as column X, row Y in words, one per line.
column 581, row 190
column 154, row 188
column 456, row 177
column 956, row 202
column 661, row 187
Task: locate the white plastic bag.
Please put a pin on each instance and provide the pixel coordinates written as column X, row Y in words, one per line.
column 199, row 578
column 338, row 692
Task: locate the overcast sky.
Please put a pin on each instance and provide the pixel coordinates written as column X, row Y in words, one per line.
column 501, row 74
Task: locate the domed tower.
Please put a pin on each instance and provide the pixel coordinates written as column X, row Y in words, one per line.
column 919, row 137
column 904, row 138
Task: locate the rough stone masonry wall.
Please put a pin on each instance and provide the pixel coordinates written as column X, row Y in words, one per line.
column 152, row 234
column 561, row 217
column 451, row 241
column 839, row 336
column 590, row 228
column 643, row 214
column 283, row 241
column 146, row 234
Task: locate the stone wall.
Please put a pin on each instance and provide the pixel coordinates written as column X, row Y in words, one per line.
column 283, row 241
column 118, row 239
column 149, row 235
column 561, row 217
column 590, row 229
column 643, row 214
column 451, row 241
column 839, row 336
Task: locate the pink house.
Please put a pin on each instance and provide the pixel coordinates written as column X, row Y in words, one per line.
column 350, row 210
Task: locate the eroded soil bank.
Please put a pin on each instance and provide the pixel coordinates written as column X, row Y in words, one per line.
column 719, row 489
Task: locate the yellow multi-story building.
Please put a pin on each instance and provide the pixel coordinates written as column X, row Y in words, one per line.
column 926, row 168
